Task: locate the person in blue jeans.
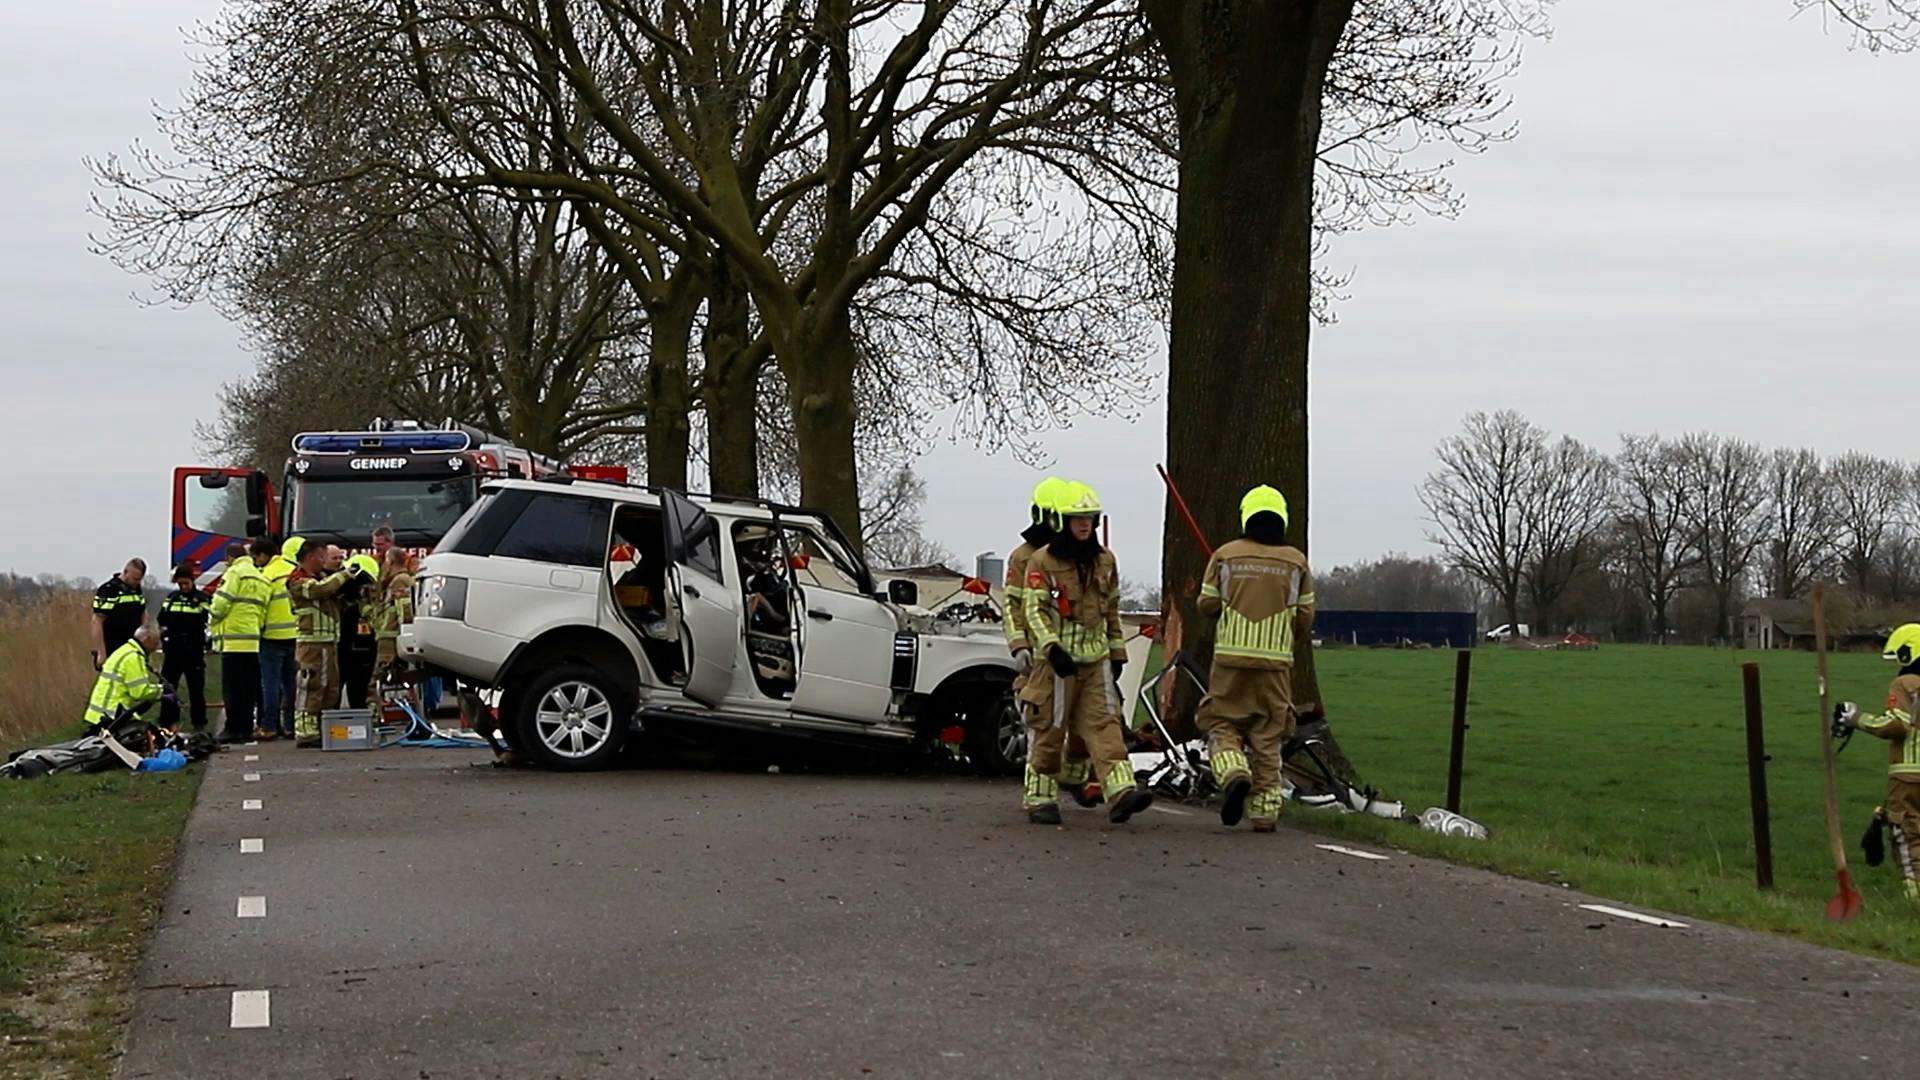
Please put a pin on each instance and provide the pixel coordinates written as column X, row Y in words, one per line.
column 277, row 667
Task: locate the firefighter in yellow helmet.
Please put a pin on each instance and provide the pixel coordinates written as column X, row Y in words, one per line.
column 1261, row 592
column 279, row 642
column 389, row 607
column 1899, row 725
column 314, row 590
column 1076, row 773
column 1072, row 605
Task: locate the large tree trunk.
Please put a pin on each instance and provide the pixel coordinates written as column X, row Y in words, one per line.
column 669, row 432
column 730, row 386
column 1247, row 79
column 823, row 425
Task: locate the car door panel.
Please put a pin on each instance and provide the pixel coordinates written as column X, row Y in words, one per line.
column 701, row 598
column 846, row 656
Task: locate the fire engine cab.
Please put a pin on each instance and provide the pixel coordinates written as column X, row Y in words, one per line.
column 339, row 486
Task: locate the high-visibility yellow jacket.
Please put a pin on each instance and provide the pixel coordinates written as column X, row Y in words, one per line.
column 280, row 624
column 239, row 607
column 1897, row 725
column 126, row 680
column 1075, row 607
column 1258, row 591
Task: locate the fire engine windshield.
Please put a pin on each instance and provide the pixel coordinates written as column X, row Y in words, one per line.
column 420, row 511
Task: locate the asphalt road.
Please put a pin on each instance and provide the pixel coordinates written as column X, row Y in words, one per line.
column 429, row 916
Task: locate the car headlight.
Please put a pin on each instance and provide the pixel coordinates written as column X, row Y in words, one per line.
column 441, row 597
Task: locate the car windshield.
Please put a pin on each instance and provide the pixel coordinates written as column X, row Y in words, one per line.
column 420, row 511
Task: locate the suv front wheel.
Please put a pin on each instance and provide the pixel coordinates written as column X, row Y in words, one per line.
column 571, row 717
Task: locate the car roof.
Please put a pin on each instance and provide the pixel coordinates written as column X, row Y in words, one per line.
column 728, row 506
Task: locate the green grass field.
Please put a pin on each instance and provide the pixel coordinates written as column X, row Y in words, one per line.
column 1622, row 772
column 84, row 866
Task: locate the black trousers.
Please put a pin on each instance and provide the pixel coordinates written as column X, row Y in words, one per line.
column 240, row 685
column 193, row 669
column 356, row 669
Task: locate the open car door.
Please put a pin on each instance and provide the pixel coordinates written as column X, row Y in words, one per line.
column 704, row 603
column 214, row 507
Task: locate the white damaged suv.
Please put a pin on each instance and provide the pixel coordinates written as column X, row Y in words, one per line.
column 596, row 610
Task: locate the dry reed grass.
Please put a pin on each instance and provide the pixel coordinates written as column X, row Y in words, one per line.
column 45, row 671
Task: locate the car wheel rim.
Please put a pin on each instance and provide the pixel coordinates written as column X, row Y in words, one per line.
column 574, row 720
column 1012, row 737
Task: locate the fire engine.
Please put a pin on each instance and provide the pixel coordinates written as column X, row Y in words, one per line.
column 339, row 486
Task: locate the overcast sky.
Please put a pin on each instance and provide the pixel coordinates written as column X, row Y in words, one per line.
column 1708, row 221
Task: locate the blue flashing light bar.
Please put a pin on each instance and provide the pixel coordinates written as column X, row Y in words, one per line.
column 349, row 442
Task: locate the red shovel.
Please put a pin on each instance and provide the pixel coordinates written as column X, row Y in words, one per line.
column 1846, row 904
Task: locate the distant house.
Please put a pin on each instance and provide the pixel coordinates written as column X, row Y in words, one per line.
column 1776, row 623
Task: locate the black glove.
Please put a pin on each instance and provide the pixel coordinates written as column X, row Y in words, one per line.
column 1119, row 666
column 1846, row 716
column 1061, row 663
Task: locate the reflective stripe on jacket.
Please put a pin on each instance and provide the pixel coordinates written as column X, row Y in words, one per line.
column 316, row 605
column 126, row 680
column 1258, row 592
column 1075, row 607
column 279, row 624
column 393, row 608
column 239, row 606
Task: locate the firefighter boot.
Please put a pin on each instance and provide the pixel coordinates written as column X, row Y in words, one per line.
column 1234, row 806
column 1044, row 815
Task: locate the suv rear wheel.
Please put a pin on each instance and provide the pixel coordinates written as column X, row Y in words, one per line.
column 570, row 717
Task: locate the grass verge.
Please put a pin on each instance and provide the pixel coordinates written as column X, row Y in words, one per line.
column 1622, row 773
column 85, row 861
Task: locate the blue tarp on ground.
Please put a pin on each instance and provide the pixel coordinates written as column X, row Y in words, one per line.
column 1441, row 629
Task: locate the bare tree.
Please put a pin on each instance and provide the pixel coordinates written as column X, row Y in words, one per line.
column 1867, row 493
column 1654, row 548
column 1396, row 582
column 1726, row 481
column 1877, row 25
column 1479, row 502
column 1800, row 511
column 1566, row 508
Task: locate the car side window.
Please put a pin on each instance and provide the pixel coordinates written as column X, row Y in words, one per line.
column 823, row 565
column 563, row 529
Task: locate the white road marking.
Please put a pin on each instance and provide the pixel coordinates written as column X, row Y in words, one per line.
column 251, row 1009
column 249, row 804
column 1170, row 810
column 251, row 757
column 252, row 845
column 252, row 907
column 1622, row 913
column 253, row 744
column 1355, row 852
column 251, row 778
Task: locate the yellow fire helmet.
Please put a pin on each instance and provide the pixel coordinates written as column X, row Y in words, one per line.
column 1263, row 500
column 290, row 550
column 364, row 565
column 1046, row 496
column 1903, row 645
column 1079, row 500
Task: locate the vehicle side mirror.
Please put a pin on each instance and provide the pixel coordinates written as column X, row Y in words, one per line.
column 903, row 592
column 256, row 493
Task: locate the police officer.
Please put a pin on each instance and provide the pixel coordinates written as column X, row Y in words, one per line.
column 1899, row 725
column 1072, row 605
column 119, row 607
column 314, row 591
column 126, row 684
column 183, row 636
column 1262, row 594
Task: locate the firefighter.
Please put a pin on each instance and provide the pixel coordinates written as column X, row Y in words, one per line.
column 1072, row 607
column 119, row 607
column 278, row 636
column 1043, row 514
column 314, row 592
column 1261, row 592
column 1900, row 726
column 357, row 646
column 183, row 637
column 126, row 684
column 394, row 591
